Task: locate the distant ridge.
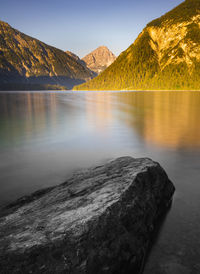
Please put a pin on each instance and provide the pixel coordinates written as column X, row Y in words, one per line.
column 165, row 56
column 99, row 59
column 27, row 63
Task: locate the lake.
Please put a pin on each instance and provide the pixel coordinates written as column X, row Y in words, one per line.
column 46, row 136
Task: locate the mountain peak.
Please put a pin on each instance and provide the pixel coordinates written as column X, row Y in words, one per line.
column 4, row 24
column 99, row 59
column 165, row 56
column 102, row 47
column 183, row 12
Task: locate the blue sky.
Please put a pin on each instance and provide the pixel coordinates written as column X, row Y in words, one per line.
column 82, row 25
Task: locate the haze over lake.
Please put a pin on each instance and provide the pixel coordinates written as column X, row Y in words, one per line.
column 46, row 136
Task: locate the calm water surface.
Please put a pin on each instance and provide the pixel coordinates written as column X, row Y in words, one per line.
column 46, row 136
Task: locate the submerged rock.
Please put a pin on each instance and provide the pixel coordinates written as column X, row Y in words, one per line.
column 99, row 221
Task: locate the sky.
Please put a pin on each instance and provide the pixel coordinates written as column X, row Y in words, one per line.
column 81, row 26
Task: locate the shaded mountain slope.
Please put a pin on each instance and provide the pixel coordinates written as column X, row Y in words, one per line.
column 28, row 62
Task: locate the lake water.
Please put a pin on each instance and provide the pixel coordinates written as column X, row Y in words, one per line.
column 46, row 136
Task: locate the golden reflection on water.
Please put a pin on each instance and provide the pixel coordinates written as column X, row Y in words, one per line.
column 169, row 119
column 99, row 109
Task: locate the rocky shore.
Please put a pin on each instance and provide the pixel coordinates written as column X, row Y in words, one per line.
column 99, row 221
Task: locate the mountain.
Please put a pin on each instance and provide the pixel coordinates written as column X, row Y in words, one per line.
column 27, row 63
column 76, row 57
column 165, row 56
column 99, row 59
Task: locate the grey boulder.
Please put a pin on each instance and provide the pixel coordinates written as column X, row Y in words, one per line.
column 99, row 221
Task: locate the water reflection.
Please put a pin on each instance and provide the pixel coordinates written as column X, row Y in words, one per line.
column 25, row 115
column 99, row 110
column 43, row 137
column 168, row 119
column 171, row 120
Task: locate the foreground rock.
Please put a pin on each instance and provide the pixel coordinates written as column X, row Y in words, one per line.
column 99, row 221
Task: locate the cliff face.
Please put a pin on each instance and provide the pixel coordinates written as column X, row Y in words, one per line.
column 26, row 60
column 166, row 55
column 99, row 59
column 99, row 221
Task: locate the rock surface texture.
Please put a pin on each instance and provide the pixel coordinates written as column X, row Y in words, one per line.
column 99, row 221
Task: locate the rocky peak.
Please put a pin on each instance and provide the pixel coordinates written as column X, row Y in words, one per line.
column 99, row 59
column 165, row 56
